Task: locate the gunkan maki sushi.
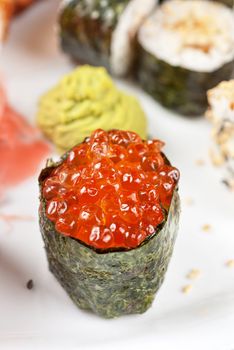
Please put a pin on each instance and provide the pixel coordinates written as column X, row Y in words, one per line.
column 186, row 48
column 102, row 32
column 109, row 217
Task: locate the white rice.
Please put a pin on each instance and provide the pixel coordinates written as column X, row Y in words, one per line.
column 197, row 35
column 127, row 27
column 221, row 101
column 221, row 114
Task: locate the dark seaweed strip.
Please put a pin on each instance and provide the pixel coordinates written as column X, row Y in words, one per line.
column 229, row 3
column 110, row 283
column 178, row 88
column 114, row 283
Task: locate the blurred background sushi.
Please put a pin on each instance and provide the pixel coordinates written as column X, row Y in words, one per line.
column 184, row 49
column 102, row 32
column 175, row 49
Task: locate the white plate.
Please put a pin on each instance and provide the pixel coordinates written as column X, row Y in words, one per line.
column 45, row 318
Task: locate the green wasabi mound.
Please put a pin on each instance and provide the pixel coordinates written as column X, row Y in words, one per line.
column 85, row 100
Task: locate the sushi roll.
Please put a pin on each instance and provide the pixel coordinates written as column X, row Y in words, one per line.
column 109, row 213
column 221, row 115
column 84, row 100
column 102, row 32
column 185, row 48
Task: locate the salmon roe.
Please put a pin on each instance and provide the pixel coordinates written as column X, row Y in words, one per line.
column 112, row 191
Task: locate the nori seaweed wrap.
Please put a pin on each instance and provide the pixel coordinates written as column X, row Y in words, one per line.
column 184, row 49
column 102, row 32
column 229, row 3
column 116, row 272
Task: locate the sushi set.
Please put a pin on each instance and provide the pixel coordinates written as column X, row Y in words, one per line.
column 198, row 55
column 117, row 153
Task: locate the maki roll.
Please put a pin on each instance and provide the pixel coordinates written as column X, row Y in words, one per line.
column 221, row 115
column 102, row 32
column 186, row 48
column 84, row 100
column 109, row 217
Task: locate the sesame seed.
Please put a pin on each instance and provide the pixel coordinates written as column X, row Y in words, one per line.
column 187, row 289
column 206, row 228
column 230, row 263
column 193, row 274
column 30, row 284
column 216, row 159
column 229, row 184
column 200, row 162
column 189, row 201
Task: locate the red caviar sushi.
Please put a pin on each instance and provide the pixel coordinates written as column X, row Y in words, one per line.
column 109, row 204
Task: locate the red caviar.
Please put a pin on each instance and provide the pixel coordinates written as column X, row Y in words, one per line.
column 112, row 191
